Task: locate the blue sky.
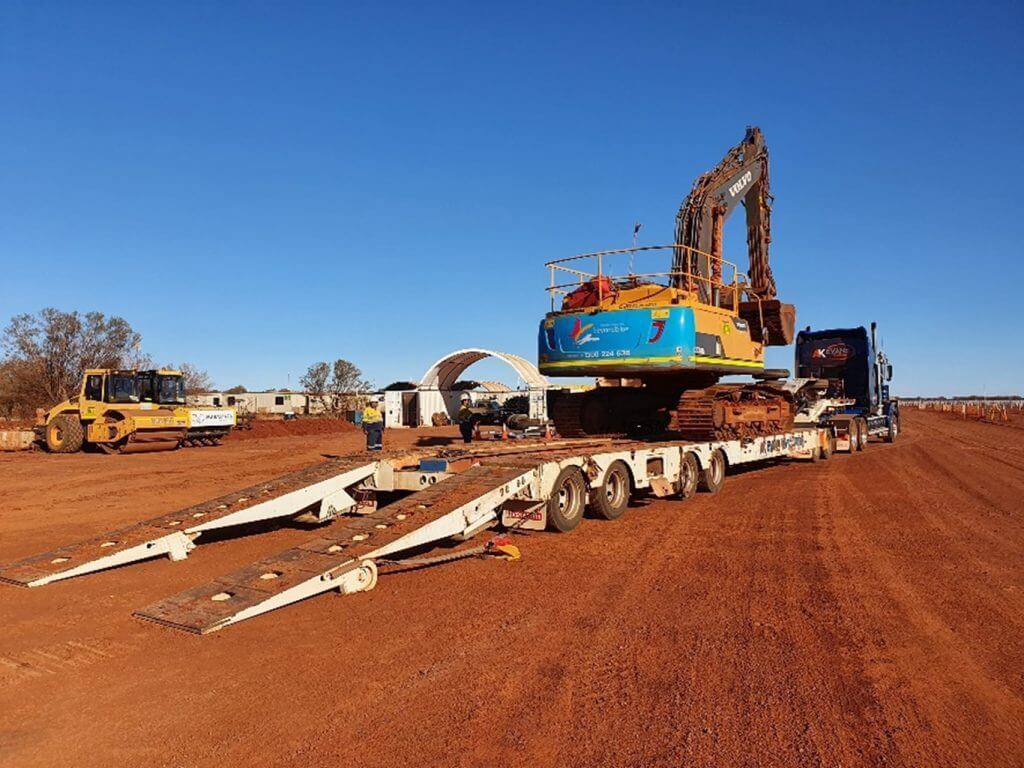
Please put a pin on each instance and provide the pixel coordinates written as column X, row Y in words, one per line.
column 257, row 186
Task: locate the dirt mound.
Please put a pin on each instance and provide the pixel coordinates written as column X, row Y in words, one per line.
column 262, row 429
column 16, row 423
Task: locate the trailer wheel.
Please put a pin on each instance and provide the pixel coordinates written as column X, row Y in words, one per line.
column 609, row 501
column 894, row 430
column 861, row 426
column 829, row 447
column 713, row 476
column 853, row 435
column 689, row 476
column 568, row 498
column 64, row 434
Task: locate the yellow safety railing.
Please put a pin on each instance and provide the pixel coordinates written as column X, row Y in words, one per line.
column 723, row 276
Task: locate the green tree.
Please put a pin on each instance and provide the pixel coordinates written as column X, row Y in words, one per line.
column 334, row 387
column 196, row 379
column 47, row 352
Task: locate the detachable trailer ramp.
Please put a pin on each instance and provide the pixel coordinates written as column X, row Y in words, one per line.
column 532, row 485
column 327, row 484
column 326, row 490
column 343, row 557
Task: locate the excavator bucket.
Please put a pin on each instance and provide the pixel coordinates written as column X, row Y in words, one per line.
column 770, row 320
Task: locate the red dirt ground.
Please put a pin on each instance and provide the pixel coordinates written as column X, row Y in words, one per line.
column 261, row 429
column 864, row 611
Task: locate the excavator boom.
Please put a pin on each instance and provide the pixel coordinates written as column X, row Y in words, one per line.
column 742, row 176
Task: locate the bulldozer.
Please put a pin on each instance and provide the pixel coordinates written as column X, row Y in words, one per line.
column 125, row 411
column 665, row 338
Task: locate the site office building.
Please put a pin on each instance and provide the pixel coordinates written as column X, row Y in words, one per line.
column 273, row 402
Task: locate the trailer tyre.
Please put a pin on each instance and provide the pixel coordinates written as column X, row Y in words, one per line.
column 689, row 476
column 609, row 501
column 853, row 435
column 862, row 434
column 828, row 447
column 568, row 498
column 64, row 434
column 713, row 476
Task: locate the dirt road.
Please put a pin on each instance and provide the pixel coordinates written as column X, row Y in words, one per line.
column 864, row 611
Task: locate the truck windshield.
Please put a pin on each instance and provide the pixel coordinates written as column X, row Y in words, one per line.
column 172, row 389
column 122, row 389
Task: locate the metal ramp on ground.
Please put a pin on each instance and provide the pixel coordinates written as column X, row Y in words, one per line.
column 343, row 557
column 324, row 487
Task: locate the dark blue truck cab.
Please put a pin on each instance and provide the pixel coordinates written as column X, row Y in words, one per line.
column 849, row 359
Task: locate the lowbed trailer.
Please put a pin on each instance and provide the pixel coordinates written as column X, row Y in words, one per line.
column 455, row 495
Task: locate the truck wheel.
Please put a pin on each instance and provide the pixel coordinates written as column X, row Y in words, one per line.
column 862, row 434
column 611, row 499
column 64, row 434
column 568, row 497
column 894, row 430
column 689, row 476
column 713, row 476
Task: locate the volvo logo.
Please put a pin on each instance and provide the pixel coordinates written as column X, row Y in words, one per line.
column 741, row 184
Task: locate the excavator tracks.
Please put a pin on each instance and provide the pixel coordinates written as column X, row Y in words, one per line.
column 732, row 412
column 719, row 412
column 567, row 413
column 694, row 417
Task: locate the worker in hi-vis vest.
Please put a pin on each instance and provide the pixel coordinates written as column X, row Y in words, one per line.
column 466, row 419
column 373, row 426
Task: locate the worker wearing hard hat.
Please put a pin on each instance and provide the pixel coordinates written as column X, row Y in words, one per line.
column 373, row 426
column 466, row 417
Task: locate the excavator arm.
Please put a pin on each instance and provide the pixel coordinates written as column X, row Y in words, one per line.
column 742, row 176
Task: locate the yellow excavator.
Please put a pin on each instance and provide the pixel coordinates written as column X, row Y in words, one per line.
column 665, row 338
column 127, row 411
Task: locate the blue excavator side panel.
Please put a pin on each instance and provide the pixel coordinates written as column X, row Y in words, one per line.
column 617, row 342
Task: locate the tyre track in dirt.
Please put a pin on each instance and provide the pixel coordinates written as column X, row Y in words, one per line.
column 671, row 671
column 950, row 654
